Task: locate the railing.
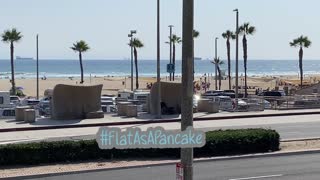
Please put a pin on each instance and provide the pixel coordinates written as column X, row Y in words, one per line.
column 261, row 103
column 294, row 102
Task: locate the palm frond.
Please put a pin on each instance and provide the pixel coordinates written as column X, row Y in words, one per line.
column 80, row 46
column 228, row 35
column 11, row 35
column 217, row 61
column 302, row 41
column 175, row 39
column 247, row 29
column 196, row 33
column 137, row 43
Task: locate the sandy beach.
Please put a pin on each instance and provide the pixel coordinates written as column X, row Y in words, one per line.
column 111, row 85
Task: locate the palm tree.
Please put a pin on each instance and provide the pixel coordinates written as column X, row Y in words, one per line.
column 136, row 43
column 196, row 34
column 80, row 46
column 12, row 36
column 246, row 29
column 229, row 35
column 174, row 40
column 218, row 63
column 302, row 42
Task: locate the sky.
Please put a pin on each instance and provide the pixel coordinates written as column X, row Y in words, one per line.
column 105, row 24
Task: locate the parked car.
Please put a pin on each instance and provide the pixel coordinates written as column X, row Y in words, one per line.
column 267, row 104
column 229, row 91
column 7, row 113
column 256, row 104
column 44, row 107
column 274, row 97
column 273, row 93
column 242, row 105
column 212, row 93
column 225, row 103
column 108, row 106
column 30, row 102
column 5, row 100
column 15, row 100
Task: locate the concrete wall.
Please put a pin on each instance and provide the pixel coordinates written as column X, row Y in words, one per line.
column 74, row 102
column 170, row 94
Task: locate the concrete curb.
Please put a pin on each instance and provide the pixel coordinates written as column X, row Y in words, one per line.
column 301, row 139
column 225, row 158
column 150, row 121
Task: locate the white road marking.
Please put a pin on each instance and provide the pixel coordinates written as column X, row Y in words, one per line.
column 259, row 177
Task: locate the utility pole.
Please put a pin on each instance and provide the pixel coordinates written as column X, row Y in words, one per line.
column 237, row 57
column 215, row 60
column 37, row 46
column 158, row 106
column 131, row 47
column 170, row 41
column 187, row 84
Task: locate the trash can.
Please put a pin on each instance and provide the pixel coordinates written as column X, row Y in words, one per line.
column 29, row 115
column 132, row 111
column 19, row 111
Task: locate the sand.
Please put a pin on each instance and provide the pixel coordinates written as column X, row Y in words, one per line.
column 111, row 85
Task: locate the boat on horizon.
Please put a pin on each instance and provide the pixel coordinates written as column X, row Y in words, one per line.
column 23, row 58
column 197, row 58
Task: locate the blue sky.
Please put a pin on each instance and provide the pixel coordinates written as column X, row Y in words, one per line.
column 104, row 24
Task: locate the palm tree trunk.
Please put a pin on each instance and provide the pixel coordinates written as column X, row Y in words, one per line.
column 300, row 65
column 219, row 72
column 244, row 41
column 81, row 67
column 13, row 84
column 229, row 62
column 136, row 66
column 174, row 59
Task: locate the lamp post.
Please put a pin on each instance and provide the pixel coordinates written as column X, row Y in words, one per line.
column 158, row 101
column 187, row 84
column 237, row 56
column 37, row 46
column 170, row 41
column 131, row 47
column 216, row 66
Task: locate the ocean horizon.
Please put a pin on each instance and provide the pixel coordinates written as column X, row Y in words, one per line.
column 56, row 68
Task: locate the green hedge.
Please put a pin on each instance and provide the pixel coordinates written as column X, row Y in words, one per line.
column 225, row 142
column 220, row 142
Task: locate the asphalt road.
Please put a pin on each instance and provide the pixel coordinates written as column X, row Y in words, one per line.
column 292, row 167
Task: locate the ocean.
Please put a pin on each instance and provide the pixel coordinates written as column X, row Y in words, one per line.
column 147, row 68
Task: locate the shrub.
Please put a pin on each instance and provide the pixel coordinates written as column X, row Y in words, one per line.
column 220, row 142
column 228, row 142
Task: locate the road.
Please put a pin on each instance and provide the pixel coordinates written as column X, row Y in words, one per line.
column 292, row 167
column 289, row 127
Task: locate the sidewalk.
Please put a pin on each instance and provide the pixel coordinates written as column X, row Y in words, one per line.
column 114, row 120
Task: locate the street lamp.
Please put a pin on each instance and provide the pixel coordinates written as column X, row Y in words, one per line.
column 187, row 84
column 131, row 47
column 170, row 41
column 37, row 46
column 158, row 101
column 216, row 66
column 237, row 56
